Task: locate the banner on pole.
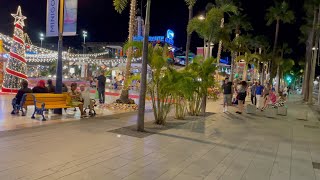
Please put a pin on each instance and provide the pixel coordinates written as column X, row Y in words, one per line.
column 70, row 17
column 52, row 18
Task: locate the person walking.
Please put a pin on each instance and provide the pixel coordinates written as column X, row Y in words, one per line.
column 253, row 93
column 242, row 94
column 101, row 87
column 227, row 94
column 259, row 91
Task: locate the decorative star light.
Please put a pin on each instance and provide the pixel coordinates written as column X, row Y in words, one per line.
column 19, row 18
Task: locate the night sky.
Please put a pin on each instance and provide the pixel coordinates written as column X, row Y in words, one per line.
column 104, row 24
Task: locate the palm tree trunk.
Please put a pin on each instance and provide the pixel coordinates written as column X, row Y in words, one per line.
column 314, row 60
column 144, row 71
column 305, row 87
column 309, row 59
column 244, row 75
column 220, row 43
column 208, row 50
column 188, row 37
column 278, row 78
column 233, row 57
column 312, row 73
column 125, row 91
column 274, row 48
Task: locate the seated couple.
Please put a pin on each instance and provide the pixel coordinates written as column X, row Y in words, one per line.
column 271, row 100
column 81, row 99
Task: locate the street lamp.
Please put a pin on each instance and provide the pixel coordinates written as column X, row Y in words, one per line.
column 84, row 34
column 201, row 17
column 41, row 38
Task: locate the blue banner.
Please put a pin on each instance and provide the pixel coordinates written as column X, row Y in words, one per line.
column 52, row 28
column 70, row 17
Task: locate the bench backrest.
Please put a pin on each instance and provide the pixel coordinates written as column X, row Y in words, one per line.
column 47, row 98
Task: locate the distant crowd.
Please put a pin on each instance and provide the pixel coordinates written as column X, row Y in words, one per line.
column 262, row 97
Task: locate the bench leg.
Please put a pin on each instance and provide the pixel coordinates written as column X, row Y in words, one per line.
column 43, row 118
column 23, row 112
column 32, row 117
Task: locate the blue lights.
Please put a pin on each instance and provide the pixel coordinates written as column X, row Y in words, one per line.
column 170, row 34
column 168, row 39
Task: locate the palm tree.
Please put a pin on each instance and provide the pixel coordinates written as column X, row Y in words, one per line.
column 247, row 58
column 308, row 31
column 280, row 55
column 209, row 28
column 144, row 69
column 279, row 13
column 237, row 23
column 190, row 4
column 120, row 5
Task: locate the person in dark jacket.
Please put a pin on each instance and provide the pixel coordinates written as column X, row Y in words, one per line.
column 64, row 88
column 40, row 88
column 24, row 89
column 51, row 87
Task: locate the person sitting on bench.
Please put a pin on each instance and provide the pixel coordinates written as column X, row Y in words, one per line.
column 271, row 99
column 87, row 101
column 41, row 87
column 281, row 101
column 76, row 98
column 24, row 89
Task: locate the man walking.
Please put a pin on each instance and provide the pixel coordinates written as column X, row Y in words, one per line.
column 259, row 91
column 253, row 93
column 101, row 87
column 227, row 94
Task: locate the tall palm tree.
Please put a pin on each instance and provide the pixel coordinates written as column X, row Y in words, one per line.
column 144, row 69
column 190, row 4
column 309, row 33
column 120, row 5
column 278, row 13
column 210, row 30
column 237, row 23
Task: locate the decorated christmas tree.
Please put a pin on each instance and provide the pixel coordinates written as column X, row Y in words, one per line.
column 17, row 66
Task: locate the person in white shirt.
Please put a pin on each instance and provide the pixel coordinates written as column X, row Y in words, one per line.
column 85, row 96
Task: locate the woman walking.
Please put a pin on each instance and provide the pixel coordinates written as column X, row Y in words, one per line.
column 242, row 94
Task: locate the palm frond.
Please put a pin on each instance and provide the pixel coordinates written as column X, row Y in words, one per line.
column 190, row 2
column 120, row 5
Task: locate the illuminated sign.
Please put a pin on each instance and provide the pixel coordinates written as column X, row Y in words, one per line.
column 168, row 39
column 170, row 34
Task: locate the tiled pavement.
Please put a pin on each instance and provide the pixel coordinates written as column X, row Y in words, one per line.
column 222, row 146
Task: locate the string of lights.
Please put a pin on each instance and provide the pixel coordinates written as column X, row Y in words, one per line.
column 8, row 41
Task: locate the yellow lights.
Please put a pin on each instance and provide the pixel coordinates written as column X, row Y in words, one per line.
column 201, row 17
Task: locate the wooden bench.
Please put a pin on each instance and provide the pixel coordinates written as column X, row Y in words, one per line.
column 45, row 101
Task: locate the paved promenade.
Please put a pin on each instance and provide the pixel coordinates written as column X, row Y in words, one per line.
column 223, row 146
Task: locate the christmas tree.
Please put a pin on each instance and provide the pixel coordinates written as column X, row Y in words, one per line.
column 17, row 66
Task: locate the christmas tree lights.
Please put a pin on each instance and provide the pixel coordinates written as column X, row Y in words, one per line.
column 17, row 65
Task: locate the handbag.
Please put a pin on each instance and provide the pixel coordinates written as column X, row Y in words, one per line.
column 242, row 96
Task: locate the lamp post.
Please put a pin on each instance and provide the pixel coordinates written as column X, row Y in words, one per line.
column 84, row 34
column 59, row 61
column 41, row 38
